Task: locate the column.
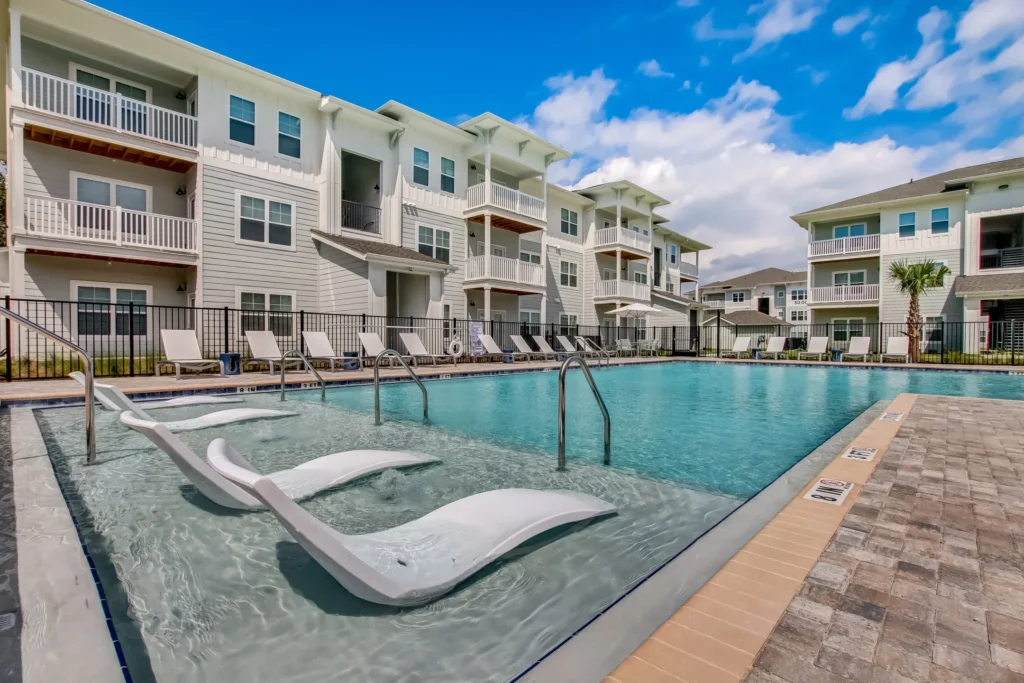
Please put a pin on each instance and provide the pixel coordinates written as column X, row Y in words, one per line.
column 618, row 270
column 543, row 311
column 487, row 243
column 696, row 285
column 15, row 57
column 544, row 186
column 487, row 169
column 487, row 302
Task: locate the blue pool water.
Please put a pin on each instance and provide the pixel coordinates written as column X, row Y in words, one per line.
column 725, row 428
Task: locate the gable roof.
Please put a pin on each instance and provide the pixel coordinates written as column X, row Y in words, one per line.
column 367, row 249
column 740, row 318
column 765, row 276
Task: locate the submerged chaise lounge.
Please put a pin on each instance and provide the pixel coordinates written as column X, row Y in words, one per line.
column 309, row 478
column 423, row 559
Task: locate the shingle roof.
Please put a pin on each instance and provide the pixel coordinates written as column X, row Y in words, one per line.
column 748, row 318
column 922, row 187
column 379, row 248
column 767, row 276
column 996, row 282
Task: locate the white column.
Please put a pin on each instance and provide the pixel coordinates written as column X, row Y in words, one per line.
column 543, row 311
column 696, row 285
column 618, row 212
column 487, row 302
column 15, row 58
column 16, row 181
column 618, row 270
column 544, row 186
column 487, row 169
column 487, row 244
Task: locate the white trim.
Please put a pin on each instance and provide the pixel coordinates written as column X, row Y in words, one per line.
column 277, row 146
column 440, row 175
column 266, row 222
column 266, row 294
column 931, row 220
column 899, row 214
column 847, row 320
column 848, row 273
column 605, row 271
column 255, row 122
column 75, row 175
column 569, row 274
column 113, row 287
column 73, row 68
column 433, row 245
column 412, row 178
column 849, row 227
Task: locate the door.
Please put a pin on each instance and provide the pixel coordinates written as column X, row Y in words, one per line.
column 657, row 266
column 763, row 305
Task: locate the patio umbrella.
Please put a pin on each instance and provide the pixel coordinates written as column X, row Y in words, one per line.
column 636, row 311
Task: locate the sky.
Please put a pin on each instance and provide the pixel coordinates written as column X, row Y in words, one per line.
column 741, row 114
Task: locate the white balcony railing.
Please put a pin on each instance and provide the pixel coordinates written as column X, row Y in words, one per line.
column 844, row 294
column 844, row 245
column 622, row 289
column 71, row 100
column 622, row 237
column 729, row 305
column 1012, row 257
column 687, row 269
column 505, row 198
column 82, row 222
column 505, row 269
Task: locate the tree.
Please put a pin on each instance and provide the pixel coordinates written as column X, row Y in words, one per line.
column 915, row 279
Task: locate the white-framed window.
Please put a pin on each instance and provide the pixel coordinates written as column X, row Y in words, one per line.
column 529, row 252
column 570, row 222
column 447, row 175
column 908, row 227
column 266, row 310
column 781, row 294
column 264, row 221
column 673, row 253
column 858, row 230
column 640, row 276
column 566, row 323
column 93, row 189
column 931, row 337
column 739, row 297
column 530, row 321
column 105, row 308
column 849, row 278
column 940, row 221
column 242, row 120
column 496, row 315
column 436, row 243
column 798, row 316
column 669, row 287
column 845, row 328
column 798, row 296
column 99, row 80
column 289, row 135
column 569, row 274
column 420, row 166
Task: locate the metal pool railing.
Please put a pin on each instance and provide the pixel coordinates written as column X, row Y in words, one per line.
column 577, row 360
column 376, row 383
column 295, row 353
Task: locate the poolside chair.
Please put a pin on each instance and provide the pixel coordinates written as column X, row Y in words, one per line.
column 625, row 347
column 492, row 349
column 109, row 404
column 264, row 349
column 897, row 347
column 414, row 345
column 309, row 478
column 373, row 346
column 650, row 347
column 584, row 349
column 567, row 346
column 859, row 347
column 739, row 347
column 319, row 347
column 181, row 348
column 816, row 346
column 776, row 345
column 543, row 345
column 524, row 348
column 421, row 560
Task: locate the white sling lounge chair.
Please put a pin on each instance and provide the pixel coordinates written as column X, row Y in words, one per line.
column 182, row 351
column 373, row 346
column 264, row 349
column 776, row 345
column 543, row 345
column 423, row 559
column 297, row 483
column 739, row 347
column 525, row 349
column 414, row 345
column 817, row 346
column 492, row 349
column 567, row 346
column 108, row 403
column 897, row 347
column 860, row 347
column 319, row 347
column 592, row 347
column 625, row 347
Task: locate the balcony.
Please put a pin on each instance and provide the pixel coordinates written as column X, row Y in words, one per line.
column 843, row 246
column 728, row 306
column 1002, row 258
column 844, row 294
column 514, row 274
column 622, row 289
column 514, row 210
column 360, row 217
column 94, row 224
column 688, row 271
column 611, row 239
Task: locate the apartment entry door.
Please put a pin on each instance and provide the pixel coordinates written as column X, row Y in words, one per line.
column 657, row 266
column 407, row 299
column 764, row 305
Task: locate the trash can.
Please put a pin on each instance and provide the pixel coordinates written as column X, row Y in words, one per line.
column 756, row 355
column 837, row 355
column 350, row 364
column 232, row 363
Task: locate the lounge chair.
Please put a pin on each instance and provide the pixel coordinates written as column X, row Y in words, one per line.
column 859, row 347
column 585, row 349
column 109, row 404
column 776, row 345
column 625, row 347
column 373, row 346
column 897, row 347
column 739, row 347
column 423, row 559
column 816, row 346
column 264, row 349
column 181, row 348
column 544, row 347
column 319, row 347
column 414, row 345
column 309, row 478
column 491, row 349
column 567, row 346
column 525, row 349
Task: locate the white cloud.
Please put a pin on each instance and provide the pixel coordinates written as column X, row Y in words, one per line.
column 686, row 84
column 652, row 69
column 705, row 29
column 847, row 23
column 988, row 17
column 868, row 37
column 783, row 18
column 817, row 77
column 687, row 3
column 699, row 89
column 704, row 61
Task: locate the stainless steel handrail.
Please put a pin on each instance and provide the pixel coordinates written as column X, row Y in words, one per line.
column 90, row 399
column 376, row 383
column 561, row 411
column 590, row 347
column 295, row 353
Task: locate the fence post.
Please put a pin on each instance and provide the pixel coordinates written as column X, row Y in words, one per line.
column 131, row 338
column 1013, row 346
column 7, row 303
column 364, row 322
column 673, row 340
column 227, row 331
column 718, row 333
column 302, row 327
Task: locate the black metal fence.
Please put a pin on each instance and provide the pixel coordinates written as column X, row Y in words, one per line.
column 124, row 338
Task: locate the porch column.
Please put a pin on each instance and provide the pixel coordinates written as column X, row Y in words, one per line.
column 487, row 171
column 15, row 57
column 618, row 269
column 487, row 302
column 16, row 185
column 543, row 310
column 618, row 211
column 696, row 285
column 544, row 189
column 487, row 243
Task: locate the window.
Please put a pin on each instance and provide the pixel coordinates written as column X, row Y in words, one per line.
column 93, row 310
column 855, row 277
column 798, row 316
column 843, row 329
column 569, row 274
column 781, row 294
column 447, row 175
column 849, row 231
column 527, row 253
column 739, row 297
column 640, row 277
column 673, row 252
column 570, row 223
column 798, row 295
column 565, row 322
column 130, row 312
column 96, row 302
column 669, row 287
column 530, row 322
column 446, row 313
column 907, row 226
column 932, row 337
column 262, row 311
column 289, row 135
column 265, row 221
column 108, row 192
column 89, row 107
column 940, row 221
column 436, row 243
column 420, row 166
column 242, row 121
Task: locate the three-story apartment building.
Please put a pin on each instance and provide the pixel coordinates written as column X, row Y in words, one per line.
column 766, row 296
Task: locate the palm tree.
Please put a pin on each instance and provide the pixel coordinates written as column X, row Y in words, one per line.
column 915, row 279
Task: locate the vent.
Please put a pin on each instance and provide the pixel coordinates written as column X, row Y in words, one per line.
column 7, row 620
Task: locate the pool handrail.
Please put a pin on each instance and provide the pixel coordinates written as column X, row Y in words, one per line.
column 592, row 347
column 298, row 354
column 376, row 383
column 90, row 399
column 578, row 360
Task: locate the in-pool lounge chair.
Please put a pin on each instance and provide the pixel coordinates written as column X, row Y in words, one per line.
column 319, row 347
column 309, row 478
column 776, row 345
column 816, row 346
column 739, row 347
column 373, row 346
column 525, row 349
column 897, row 347
column 181, row 348
column 860, row 347
column 264, row 349
column 543, row 345
column 414, row 345
column 103, row 395
column 491, row 349
column 420, row 560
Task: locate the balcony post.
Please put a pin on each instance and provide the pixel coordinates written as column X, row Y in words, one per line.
column 117, row 224
column 487, row 171
column 487, row 241
column 618, row 270
column 15, row 57
column 544, row 190
column 696, row 267
column 487, row 302
column 543, row 309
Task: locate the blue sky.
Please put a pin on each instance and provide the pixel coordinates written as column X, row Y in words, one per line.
column 749, row 112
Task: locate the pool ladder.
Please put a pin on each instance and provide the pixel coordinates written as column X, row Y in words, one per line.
column 295, row 353
column 391, row 353
column 578, row 360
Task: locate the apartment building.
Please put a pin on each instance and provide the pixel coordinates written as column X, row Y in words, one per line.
column 146, row 170
column 763, row 297
column 971, row 219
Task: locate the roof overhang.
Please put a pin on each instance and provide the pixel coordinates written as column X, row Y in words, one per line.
column 632, row 190
column 410, row 265
column 806, row 218
column 487, row 121
column 406, row 114
column 336, row 106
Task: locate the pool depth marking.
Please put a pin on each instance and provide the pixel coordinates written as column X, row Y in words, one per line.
column 831, row 491
column 891, row 417
column 860, row 453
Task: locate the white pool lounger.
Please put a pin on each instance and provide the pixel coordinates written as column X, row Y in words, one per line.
column 178, row 402
column 303, row 481
column 422, row 560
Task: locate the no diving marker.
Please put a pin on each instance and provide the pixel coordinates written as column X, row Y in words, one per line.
column 860, row 453
column 831, row 491
column 891, row 417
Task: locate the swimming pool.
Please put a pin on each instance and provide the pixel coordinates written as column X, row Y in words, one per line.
column 201, row 593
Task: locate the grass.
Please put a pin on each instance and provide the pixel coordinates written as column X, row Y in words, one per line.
column 54, row 366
